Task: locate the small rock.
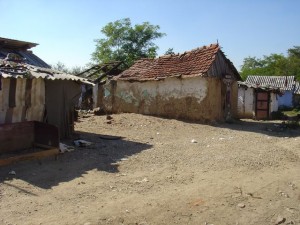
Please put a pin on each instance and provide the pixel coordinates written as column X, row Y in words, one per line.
column 290, row 210
column 121, row 220
column 193, row 141
column 280, row 220
column 12, row 172
column 241, row 205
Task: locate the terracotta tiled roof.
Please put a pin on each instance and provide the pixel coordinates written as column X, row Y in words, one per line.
column 193, row 63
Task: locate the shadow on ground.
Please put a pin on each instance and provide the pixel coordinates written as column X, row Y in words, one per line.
column 284, row 128
column 103, row 155
column 270, row 128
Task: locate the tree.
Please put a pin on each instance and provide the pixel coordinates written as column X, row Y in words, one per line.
column 127, row 43
column 294, row 52
column 63, row 68
column 60, row 67
column 273, row 65
column 170, row 51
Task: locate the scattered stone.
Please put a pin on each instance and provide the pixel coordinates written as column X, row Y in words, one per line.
column 12, row 172
column 121, row 220
column 82, row 143
column 290, row 210
column 284, row 194
column 108, row 117
column 65, row 148
column 206, row 223
column 280, row 220
column 241, row 205
column 142, row 181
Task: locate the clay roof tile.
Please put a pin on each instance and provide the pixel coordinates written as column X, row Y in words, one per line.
column 190, row 63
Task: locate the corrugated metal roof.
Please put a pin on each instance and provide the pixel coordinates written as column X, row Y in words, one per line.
column 23, row 70
column 297, row 88
column 16, row 44
column 283, row 82
column 28, row 57
column 260, row 87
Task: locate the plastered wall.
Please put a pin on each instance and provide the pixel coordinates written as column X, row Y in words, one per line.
column 196, row 98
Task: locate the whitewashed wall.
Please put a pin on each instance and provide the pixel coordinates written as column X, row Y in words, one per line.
column 274, row 102
column 246, row 104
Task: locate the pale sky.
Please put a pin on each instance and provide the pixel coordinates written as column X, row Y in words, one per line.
column 65, row 30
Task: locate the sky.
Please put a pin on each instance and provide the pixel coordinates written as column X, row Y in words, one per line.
column 66, row 30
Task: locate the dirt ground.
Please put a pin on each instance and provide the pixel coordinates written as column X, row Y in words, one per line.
column 146, row 170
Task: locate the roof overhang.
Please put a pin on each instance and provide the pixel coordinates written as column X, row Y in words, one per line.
column 16, row 44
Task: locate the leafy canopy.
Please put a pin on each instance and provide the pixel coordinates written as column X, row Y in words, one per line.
column 273, row 65
column 127, row 43
column 63, row 68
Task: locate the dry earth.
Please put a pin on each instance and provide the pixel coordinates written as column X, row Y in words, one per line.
column 161, row 171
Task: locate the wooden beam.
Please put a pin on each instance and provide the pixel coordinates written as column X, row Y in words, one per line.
column 29, row 156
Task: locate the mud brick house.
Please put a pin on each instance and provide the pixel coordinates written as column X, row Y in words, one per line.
column 199, row 85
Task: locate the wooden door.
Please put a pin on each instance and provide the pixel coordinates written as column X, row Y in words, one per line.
column 262, row 105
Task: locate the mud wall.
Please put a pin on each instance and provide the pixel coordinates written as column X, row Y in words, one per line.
column 21, row 100
column 196, row 98
column 234, row 99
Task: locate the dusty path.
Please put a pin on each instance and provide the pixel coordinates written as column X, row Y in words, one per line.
column 161, row 171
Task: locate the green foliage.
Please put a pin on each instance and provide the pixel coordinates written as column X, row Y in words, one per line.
column 273, row 65
column 127, row 43
column 170, row 51
column 63, row 68
column 60, row 67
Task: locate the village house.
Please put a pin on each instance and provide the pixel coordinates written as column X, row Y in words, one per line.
column 199, row 85
column 259, row 96
column 31, row 91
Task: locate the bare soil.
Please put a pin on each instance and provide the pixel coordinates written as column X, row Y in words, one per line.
column 147, row 170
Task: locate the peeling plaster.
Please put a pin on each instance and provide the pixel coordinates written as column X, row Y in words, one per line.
column 197, row 98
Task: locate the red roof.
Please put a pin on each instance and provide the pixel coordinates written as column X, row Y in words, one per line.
column 192, row 63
